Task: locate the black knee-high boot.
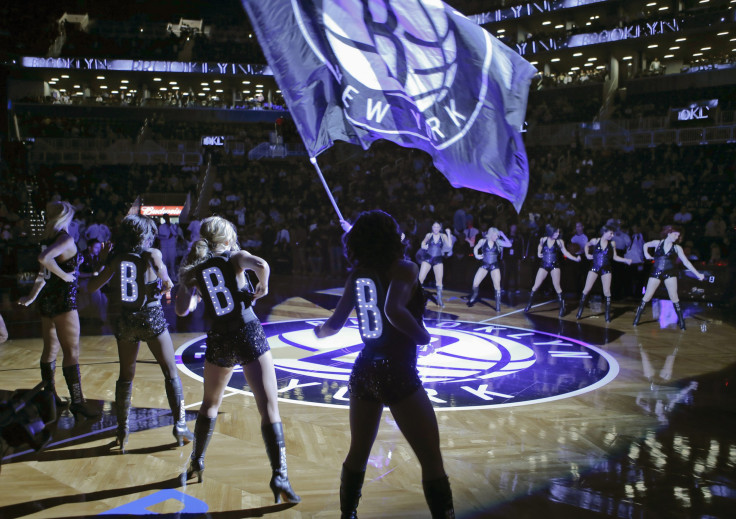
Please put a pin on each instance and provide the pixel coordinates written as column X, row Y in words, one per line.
column 175, row 396
column 608, row 309
column 473, row 296
column 440, row 303
column 273, row 437
column 74, row 383
column 561, row 300
column 123, row 395
column 203, row 429
column 351, row 484
column 529, row 304
column 439, row 498
column 680, row 317
column 498, row 300
column 583, row 298
column 639, row 311
column 48, row 372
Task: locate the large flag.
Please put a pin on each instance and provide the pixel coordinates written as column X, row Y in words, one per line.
column 414, row 72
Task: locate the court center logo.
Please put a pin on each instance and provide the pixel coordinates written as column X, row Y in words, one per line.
column 398, row 66
column 466, row 365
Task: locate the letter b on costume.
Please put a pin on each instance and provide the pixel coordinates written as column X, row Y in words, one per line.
column 219, row 294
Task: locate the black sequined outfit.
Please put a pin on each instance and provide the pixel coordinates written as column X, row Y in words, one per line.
column 236, row 337
column 57, row 296
column 386, row 369
column 490, row 256
column 664, row 262
column 143, row 325
column 550, row 256
column 602, row 259
column 433, row 254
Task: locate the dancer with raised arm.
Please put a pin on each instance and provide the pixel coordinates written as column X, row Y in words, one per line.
column 488, row 250
column 386, row 292
column 56, row 288
column 549, row 250
column 141, row 278
column 664, row 269
column 430, row 256
column 214, row 272
column 604, row 253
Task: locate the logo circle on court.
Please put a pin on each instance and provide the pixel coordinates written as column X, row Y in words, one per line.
column 466, row 365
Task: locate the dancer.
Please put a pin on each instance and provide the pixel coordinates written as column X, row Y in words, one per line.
column 490, row 245
column 56, row 288
column 214, row 272
column 430, row 256
column 665, row 251
column 549, row 249
column 387, row 294
column 141, row 279
column 603, row 253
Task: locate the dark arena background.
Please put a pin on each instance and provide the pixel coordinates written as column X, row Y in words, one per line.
column 170, row 107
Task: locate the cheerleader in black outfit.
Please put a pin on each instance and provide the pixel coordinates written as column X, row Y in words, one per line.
column 385, row 291
column 665, row 252
column 430, row 256
column 214, row 272
column 141, row 280
column 549, row 249
column 56, row 288
column 604, row 252
column 488, row 250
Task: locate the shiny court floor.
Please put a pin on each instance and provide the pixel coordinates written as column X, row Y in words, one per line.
column 538, row 416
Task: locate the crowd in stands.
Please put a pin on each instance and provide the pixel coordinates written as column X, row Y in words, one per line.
column 282, row 212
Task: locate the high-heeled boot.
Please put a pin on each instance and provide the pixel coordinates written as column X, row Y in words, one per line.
column 529, row 304
column 639, row 311
column 273, row 437
column 48, row 375
column 498, row 300
column 680, row 317
column 123, row 395
column 439, row 498
column 175, row 396
column 608, row 309
column 473, row 297
column 561, row 300
column 74, row 383
column 351, row 484
column 440, row 303
column 581, row 307
column 203, row 429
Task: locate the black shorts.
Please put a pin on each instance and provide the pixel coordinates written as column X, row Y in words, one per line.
column 57, row 298
column 383, row 381
column 601, row 270
column 490, row 267
column 143, row 325
column 241, row 345
column 663, row 274
column 424, row 257
column 549, row 267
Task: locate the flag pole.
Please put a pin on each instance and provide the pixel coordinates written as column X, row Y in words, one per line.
column 313, row 160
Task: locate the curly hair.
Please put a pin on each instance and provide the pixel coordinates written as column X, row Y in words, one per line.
column 550, row 230
column 217, row 234
column 58, row 217
column 374, row 241
column 135, row 233
column 671, row 228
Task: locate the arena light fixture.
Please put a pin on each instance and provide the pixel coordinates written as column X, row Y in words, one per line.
column 217, row 81
column 64, row 76
column 201, row 94
column 652, row 46
column 54, row 79
column 674, row 48
column 592, row 58
column 722, row 33
column 705, row 48
column 501, row 30
column 76, row 86
column 124, row 81
column 534, row 63
column 575, row 68
column 174, row 88
column 697, row 54
column 577, row 54
column 555, row 60
column 206, row 89
column 173, row 83
column 600, row 67
column 157, row 79
column 219, row 90
column 651, row 4
column 681, row 39
column 205, row 83
column 667, row 56
column 546, row 22
column 100, row 77
column 123, row 87
column 246, row 82
column 559, row 26
column 104, row 87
